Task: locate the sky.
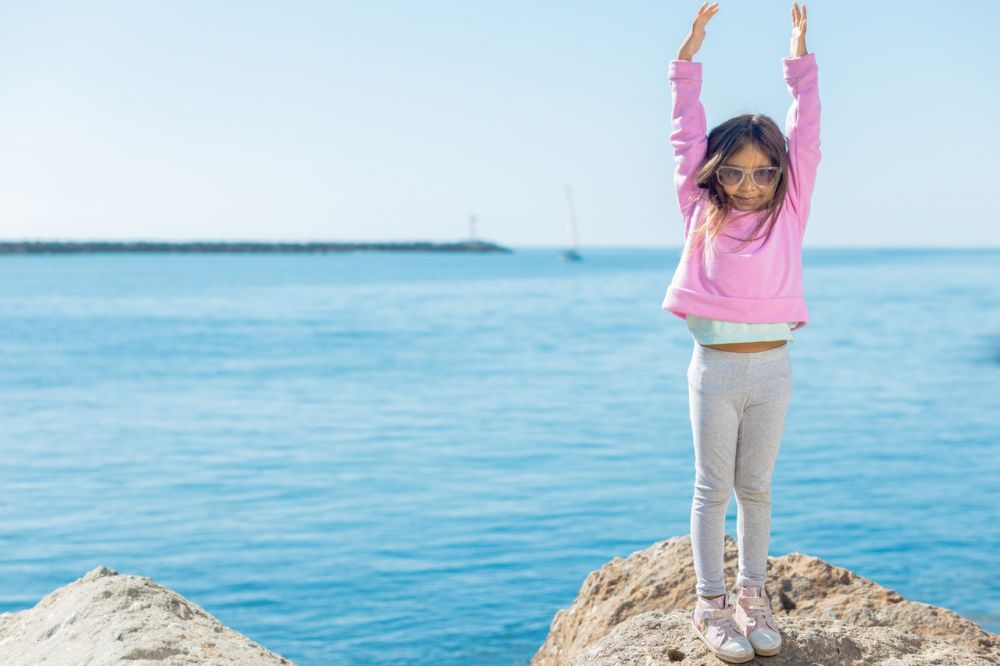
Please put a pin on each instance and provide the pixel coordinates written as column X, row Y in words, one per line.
column 309, row 120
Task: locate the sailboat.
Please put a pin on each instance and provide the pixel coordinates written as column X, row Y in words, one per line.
column 570, row 253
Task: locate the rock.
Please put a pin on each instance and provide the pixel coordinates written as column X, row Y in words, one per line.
column 107, row 618
column 636, row 611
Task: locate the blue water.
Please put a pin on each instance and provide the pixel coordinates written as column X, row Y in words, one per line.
column 418, row 458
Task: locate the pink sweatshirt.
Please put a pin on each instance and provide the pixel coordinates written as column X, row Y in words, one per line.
column 761, row 283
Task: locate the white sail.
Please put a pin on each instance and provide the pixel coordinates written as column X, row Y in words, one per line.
column 571, row 239
column 570, row 253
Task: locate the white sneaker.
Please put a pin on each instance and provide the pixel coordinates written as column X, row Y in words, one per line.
column 712, row 621
column 753, row 615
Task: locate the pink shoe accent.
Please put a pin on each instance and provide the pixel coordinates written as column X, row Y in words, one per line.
column 712, row 621
column 754, row 618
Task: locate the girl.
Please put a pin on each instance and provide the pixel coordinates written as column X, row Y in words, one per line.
column 744, row 199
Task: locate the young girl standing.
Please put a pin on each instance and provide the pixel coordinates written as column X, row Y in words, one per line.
column 744, row 197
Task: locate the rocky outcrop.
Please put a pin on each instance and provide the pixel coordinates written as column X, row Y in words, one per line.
column 635, row 610
column 107, row 618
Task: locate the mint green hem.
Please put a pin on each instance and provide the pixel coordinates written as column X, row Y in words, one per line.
column 716, row 331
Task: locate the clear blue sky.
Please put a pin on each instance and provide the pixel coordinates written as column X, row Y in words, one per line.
column 312, row 120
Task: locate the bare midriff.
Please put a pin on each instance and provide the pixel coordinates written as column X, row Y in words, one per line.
column 748, row 346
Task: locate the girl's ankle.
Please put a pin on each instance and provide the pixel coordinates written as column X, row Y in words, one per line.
column 713, row 602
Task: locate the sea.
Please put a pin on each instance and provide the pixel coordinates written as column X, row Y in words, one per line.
column 417, row 458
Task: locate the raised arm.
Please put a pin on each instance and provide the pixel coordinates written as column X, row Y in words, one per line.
column 802, row 121
column 687, row 136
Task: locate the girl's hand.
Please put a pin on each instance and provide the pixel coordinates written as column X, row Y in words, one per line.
column 798, row 48
column 697, row 34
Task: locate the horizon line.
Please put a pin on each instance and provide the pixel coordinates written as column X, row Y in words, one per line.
column 259, row 241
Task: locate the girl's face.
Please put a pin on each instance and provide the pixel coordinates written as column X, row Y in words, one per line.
column 749, row 195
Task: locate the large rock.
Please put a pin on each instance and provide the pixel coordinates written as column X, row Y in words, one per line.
column 107, row 618
column 635, row 611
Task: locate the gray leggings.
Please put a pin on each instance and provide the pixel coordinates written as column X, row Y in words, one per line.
column 738, row 402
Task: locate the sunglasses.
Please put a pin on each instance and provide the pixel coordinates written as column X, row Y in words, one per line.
column 731, row 176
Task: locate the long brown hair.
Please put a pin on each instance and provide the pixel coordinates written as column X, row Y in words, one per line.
column 723, row 141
